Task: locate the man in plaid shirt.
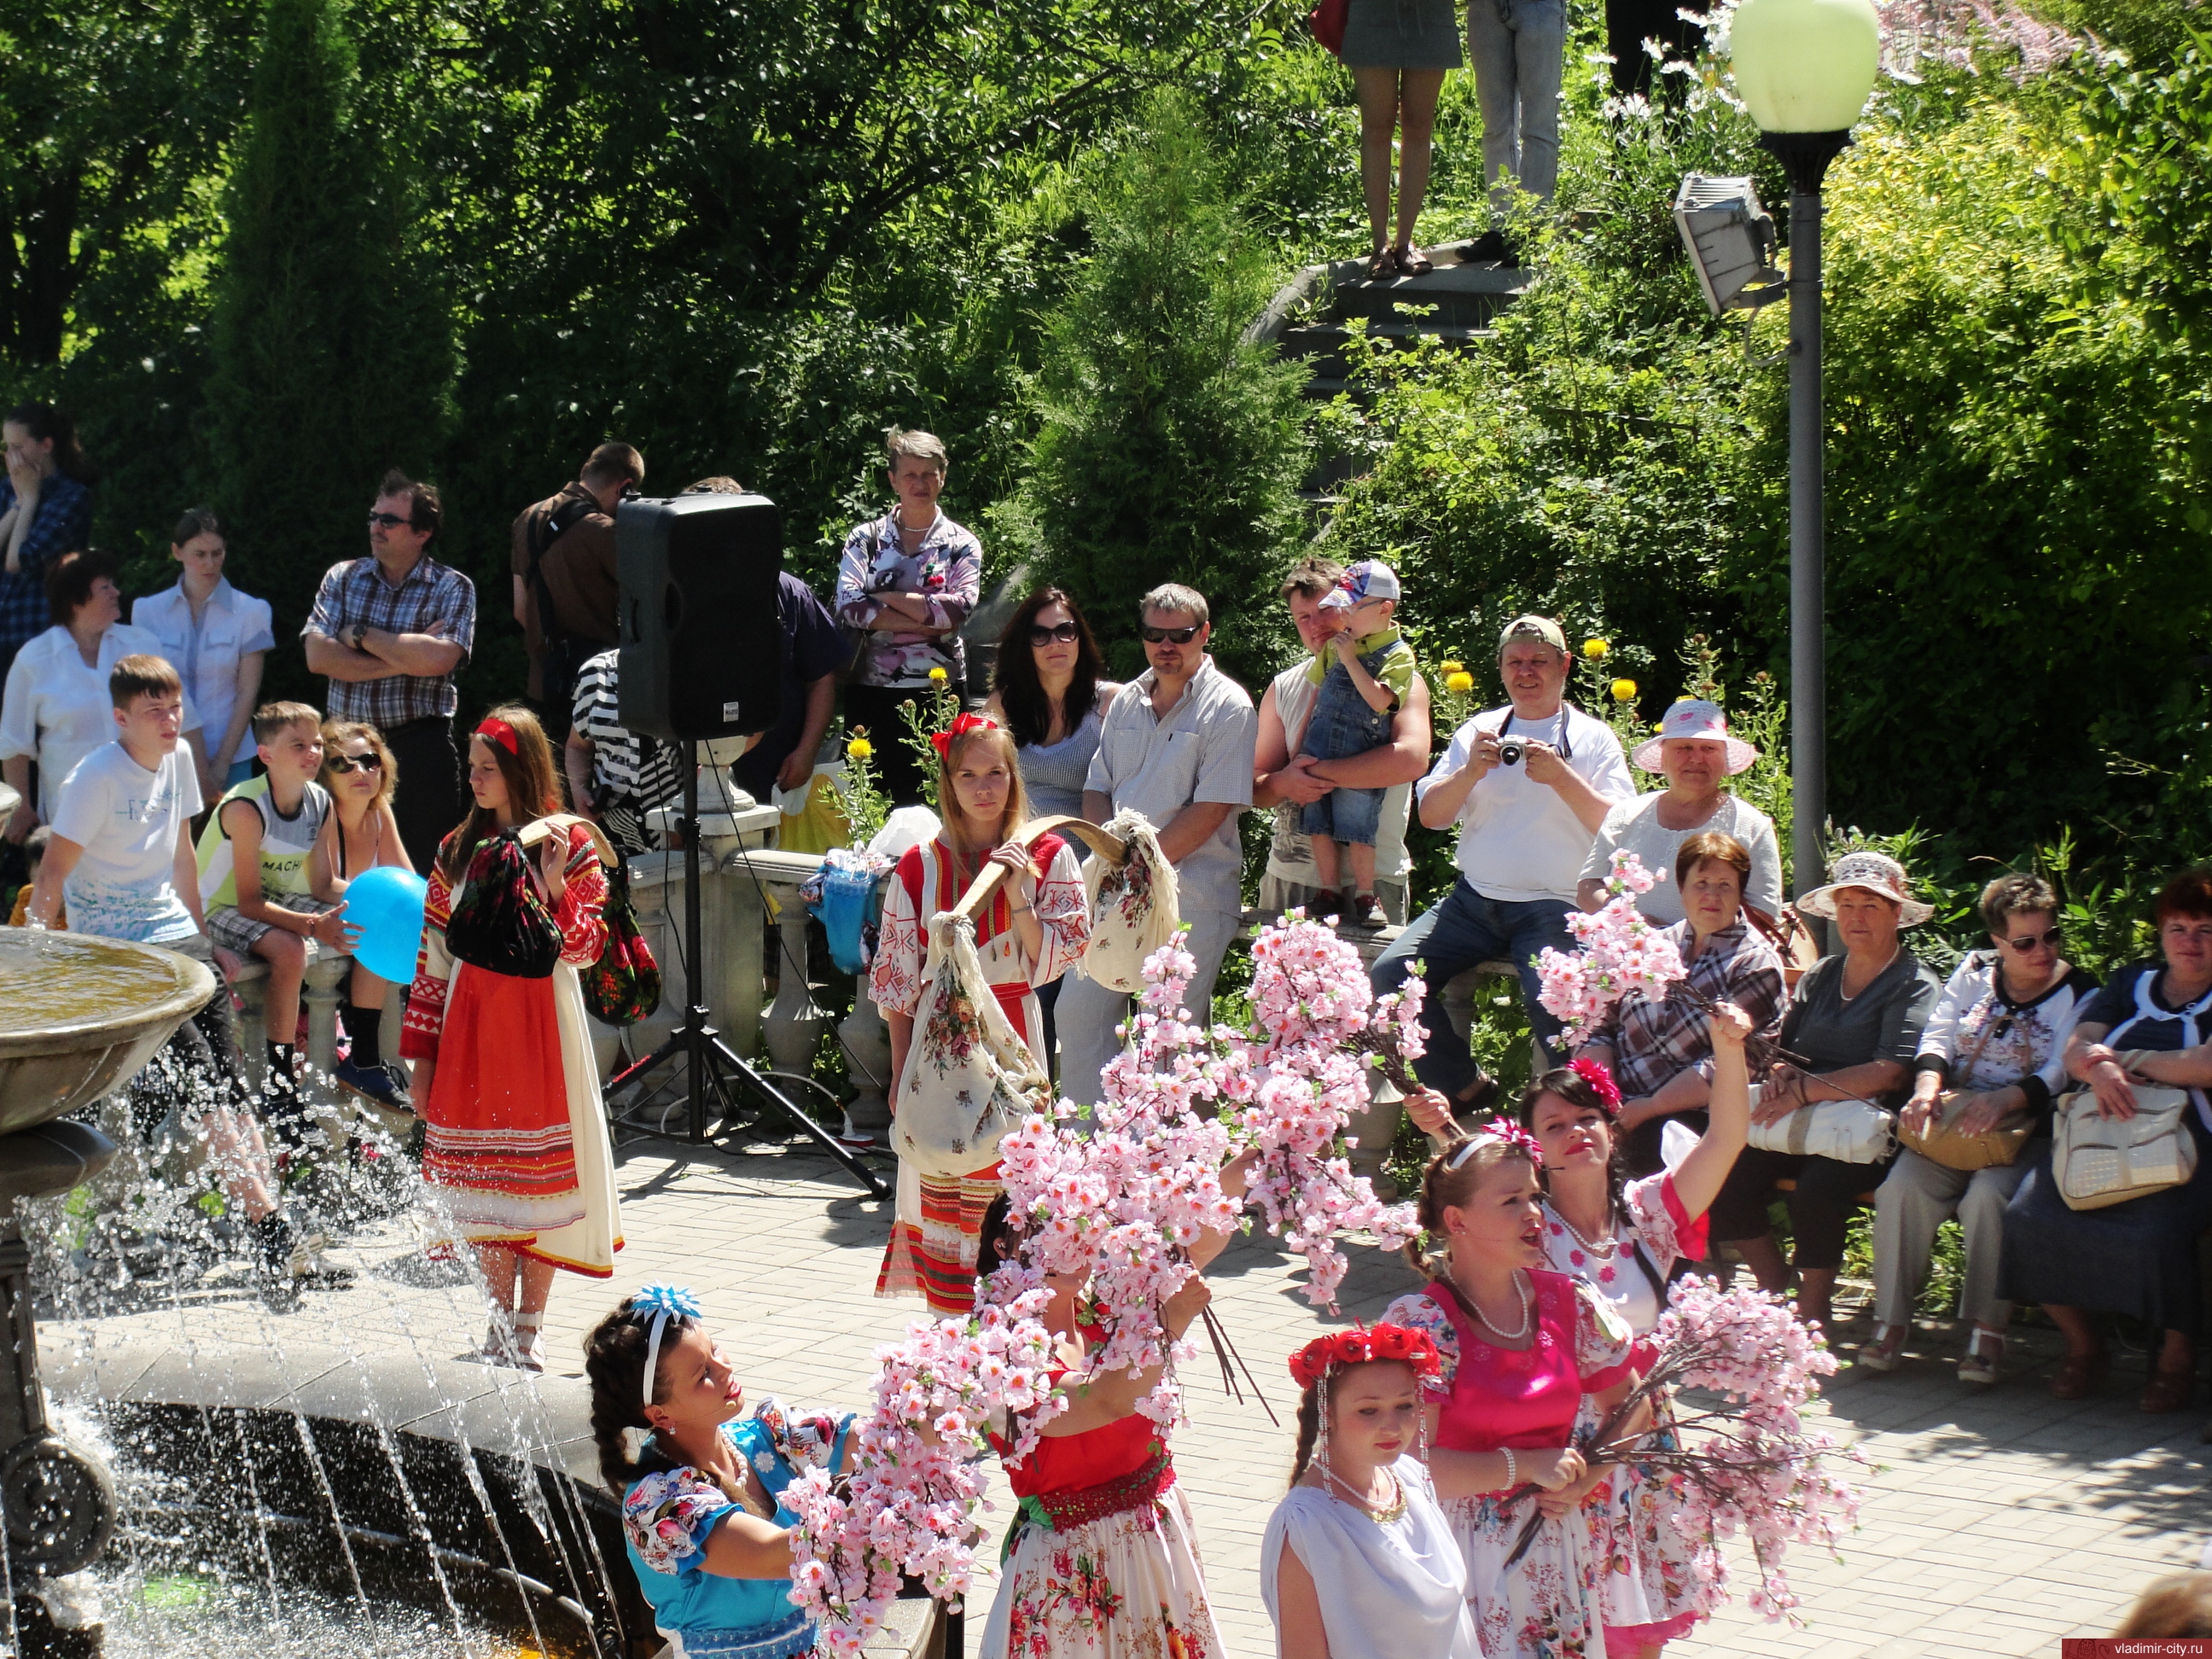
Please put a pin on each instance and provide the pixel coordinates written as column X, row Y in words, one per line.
column 391, row 631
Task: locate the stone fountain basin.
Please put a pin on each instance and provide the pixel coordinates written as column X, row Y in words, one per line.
column 78, row 1014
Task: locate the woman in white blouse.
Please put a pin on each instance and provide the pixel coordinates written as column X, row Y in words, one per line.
column 1698, row 755
column 218, row 637
column 1997, row 1036
column 57, row 708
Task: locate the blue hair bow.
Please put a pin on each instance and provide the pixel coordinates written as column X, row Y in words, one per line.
column 674, row 1301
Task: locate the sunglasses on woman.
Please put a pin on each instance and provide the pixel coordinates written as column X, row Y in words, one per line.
column 342, row 764
column 2028, row 942
column 1064, row 634
column 1168, row 636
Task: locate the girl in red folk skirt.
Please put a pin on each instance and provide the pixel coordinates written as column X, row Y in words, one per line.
column 1034, row 929
column 517, row 1160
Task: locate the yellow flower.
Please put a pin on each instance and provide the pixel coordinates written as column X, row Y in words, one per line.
column 1597, row 650
column 1453, row 668
column 1459, row 681
column 1624, row 691
column 937, row 676
column 859, row 748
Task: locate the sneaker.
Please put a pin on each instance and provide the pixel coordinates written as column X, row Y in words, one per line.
column 308, row 1265
column 375, row 1083
column 1366, row 911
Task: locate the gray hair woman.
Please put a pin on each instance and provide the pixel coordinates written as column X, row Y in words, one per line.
column 1995, row 1037
column 1857, row 1020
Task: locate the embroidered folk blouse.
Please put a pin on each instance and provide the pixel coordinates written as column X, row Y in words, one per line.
column 583, row 936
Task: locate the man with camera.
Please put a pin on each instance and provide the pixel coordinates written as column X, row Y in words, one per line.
column 1528, row 784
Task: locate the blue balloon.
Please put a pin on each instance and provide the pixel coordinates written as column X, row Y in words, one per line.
column 385, row 904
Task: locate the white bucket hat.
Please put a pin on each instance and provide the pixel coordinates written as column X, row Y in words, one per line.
column 1878, row 873
column 1695, row 718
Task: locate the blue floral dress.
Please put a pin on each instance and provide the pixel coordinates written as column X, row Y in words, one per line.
column 667, row 1515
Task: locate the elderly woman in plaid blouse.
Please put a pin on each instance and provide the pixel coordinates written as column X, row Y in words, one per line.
column 1660, row 1048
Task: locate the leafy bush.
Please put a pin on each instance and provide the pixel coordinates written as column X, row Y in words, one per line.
column 1168, row 448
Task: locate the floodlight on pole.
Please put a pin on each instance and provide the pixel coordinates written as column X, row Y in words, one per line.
column 1805, row 70
column 1731, row 242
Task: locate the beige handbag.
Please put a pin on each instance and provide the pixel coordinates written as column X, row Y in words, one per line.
column 969, row 1076
column 2099, row 1161
column 1849, row 1131
column 1941, row 1143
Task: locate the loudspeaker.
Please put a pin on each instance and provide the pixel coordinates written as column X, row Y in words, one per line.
column 701, row 640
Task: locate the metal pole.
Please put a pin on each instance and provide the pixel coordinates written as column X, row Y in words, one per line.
column 1808, row 656
column 1806, row 156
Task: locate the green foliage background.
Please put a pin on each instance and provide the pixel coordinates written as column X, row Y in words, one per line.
column 481, row 238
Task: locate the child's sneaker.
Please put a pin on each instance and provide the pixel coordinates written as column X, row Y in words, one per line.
column 1365, row 910
column 372, row 1083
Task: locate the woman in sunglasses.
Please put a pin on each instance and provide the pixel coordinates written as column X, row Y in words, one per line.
column 1995, row 1044
column 360, row 834
column 1049, row 689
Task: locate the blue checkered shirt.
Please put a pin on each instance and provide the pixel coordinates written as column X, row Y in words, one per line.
column 63, row 523
column 434, row 600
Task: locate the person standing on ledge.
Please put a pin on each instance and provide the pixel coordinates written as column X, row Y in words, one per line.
column 909, row 581
column 391, row 631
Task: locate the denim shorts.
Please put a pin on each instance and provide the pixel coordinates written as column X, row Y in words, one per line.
column 1352, row 815
column 1342, row 726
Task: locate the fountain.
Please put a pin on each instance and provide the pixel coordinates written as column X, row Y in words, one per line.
column 118, row 1004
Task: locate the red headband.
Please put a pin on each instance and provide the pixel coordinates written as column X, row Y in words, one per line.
column 499, row 731
column 942, row 741
column 1595, row 1073
column 1360, row 1345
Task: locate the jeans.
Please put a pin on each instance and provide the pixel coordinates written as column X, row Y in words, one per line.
column 1464, row 930
column 1518, row 48
column 1087, row 1012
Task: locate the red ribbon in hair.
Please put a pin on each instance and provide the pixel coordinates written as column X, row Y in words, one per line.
column 499, row 731
column 942, row 741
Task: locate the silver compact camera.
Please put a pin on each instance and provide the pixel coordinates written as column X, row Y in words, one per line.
column 1510, row 750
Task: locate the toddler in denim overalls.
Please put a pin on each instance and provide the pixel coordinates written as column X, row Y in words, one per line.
column 1353, row 711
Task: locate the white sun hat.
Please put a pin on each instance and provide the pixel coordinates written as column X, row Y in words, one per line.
column 1694, row 717
column 1877, row 872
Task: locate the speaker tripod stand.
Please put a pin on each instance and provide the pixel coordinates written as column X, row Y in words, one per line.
column 709, row 1067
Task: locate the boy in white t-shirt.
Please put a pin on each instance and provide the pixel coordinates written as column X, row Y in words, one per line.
column 122, row 855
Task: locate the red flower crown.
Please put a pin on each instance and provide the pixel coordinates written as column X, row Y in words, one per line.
column 1600, row 1080
column 1361, row 1344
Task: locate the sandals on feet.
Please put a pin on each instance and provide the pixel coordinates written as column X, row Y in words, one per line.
column 1887, row 1348
column 529, row 1344
column 1383, row 266
column 2169, row 1391
column 1412, row 262
column 1985, row 1351
column 2079, row 1375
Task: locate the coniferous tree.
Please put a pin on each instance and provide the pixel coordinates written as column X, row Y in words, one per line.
column 1170, row 449
column 332, row 346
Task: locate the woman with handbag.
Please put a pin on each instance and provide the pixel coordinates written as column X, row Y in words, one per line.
column 1988, row 1068
column 516, row 1162
column 1032, row 931
column 2148, row 1026
column 1855, row 1021
column 1657, row 1047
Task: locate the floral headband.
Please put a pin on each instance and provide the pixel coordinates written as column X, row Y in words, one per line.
column 1499, row 1131
column 1600, row 1080
column 942, row 741
column 663, row 1303
column 493, row 729
column 1360, row 1345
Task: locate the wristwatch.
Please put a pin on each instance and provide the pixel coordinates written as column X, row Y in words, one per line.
column 360, row 631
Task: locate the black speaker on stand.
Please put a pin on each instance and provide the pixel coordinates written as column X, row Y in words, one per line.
column 702, row 661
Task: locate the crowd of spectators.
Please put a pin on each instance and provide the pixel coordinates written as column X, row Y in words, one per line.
column 116, row 735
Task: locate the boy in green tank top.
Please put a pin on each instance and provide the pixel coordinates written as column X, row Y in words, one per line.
column 253, row 883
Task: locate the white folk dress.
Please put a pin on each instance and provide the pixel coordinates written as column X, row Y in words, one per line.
column 932, row 1253
column 1648, row 1578
column 1392, row 1589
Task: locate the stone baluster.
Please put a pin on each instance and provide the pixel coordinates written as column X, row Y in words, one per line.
column 794, row 1021
column 867, row 1044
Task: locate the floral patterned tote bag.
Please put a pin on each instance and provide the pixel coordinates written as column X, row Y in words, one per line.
column 969, row 1077
column 1133, row 905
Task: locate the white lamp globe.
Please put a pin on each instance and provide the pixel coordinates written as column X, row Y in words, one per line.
column 1805, row 65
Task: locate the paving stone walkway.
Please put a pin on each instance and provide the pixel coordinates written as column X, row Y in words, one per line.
column 1995, row 1522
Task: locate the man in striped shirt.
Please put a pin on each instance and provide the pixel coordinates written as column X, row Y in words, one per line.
column 617, row 776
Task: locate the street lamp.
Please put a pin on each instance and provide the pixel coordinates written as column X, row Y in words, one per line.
column 1805, row 70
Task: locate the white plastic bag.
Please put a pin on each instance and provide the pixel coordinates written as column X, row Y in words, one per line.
column 907, row 827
